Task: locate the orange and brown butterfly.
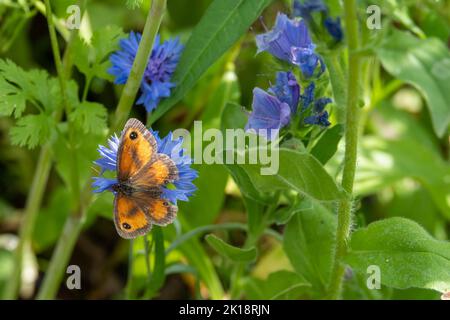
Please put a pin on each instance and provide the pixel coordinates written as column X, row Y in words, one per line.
column 141, row 174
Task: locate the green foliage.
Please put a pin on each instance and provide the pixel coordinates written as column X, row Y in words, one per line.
column 405, row 253
column 91, row 56
column 90, row 117
column 230, row 252
column 426, row 65
column 309, row 241
column 280, row 285
column 299, row 171
column 221, row 26
column 32, row 130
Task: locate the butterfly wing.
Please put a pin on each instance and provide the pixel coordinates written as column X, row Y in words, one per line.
column 137, row 148
column 160, row 211
column 130, row 220
column 158, row 172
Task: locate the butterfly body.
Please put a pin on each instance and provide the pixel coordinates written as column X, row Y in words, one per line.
column 142, row 173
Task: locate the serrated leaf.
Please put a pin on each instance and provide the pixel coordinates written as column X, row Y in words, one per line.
column 90, row 117
column 12, row 99
column 230, row 252
column 221, row 26
column 32, row 130
column 405, row 253
column 34, row 85
column 296, row 170
column 424, row 63
column 92, row 58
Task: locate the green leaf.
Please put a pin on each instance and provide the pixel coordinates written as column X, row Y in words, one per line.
column 33, row 85
column 280, row 285
column 133, row 4
column 230, row 252
column 233, row 117
column 32, row 130
column 12, row 99
column 92, row 58
column 309, row 241
column 405, row 253
column 382, row 162
column 298, row 171
column 426, row 65
column 327, row 145
column 221, row 26
column 90, row 117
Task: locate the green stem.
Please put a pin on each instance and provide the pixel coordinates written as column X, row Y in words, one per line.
column 74, row 178
column 59, row 259
column 36, row 193
column 73, row 225
column 140, row 63
column 129, row 286
column 351, row 143
column 31, row 209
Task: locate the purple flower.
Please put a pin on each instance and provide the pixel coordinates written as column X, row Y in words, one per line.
column 163, row 61
column 308, row 96
column 305, row 10
column 287, row 90
column 289, row 40
column 319, row 115
column 269, row 113
column 182, row 189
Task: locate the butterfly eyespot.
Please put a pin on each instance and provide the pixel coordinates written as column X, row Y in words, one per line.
column 133, row 135
column 165, row 203
column 126, row 226
column 166, row 181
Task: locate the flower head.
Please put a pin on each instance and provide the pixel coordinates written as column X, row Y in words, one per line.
column 289, row 40
column 306, row 8
column 156, row 83
column 319, row 114
column 269, row 113
column 287, row 89
column 183, row 187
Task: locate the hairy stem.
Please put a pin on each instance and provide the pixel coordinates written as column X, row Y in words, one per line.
column 74, row 224
column 140, row 63
column 351, row 143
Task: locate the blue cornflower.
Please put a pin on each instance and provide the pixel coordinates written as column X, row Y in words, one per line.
column 287, row 89
column 289, row 40
column 319, row 114
column 156, row 83
column 183, row 187
column 305, row 10
column 269, row 113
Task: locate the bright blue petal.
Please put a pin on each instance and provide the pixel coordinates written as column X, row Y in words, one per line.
column 163, row 61
column 268, row 113
column 287, row 90
column 101, row 184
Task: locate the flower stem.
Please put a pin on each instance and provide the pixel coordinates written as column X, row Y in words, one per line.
column 140, row 63
column 75, row 222
column 38, row 185
column 351, row 143
column 31, row 209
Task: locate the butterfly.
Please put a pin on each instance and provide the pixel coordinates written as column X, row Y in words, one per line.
column 141, row 174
